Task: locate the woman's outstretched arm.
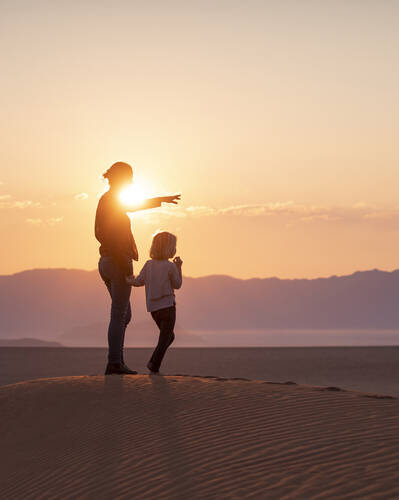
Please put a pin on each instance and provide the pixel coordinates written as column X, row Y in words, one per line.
column 153, row 203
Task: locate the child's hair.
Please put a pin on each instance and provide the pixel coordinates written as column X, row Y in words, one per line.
column 163, row 246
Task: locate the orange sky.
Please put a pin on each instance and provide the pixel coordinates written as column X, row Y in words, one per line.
column 275, row 120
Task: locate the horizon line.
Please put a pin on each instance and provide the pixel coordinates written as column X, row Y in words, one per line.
column 35, row 269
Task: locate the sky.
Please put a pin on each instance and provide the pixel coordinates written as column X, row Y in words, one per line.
column 276, row 120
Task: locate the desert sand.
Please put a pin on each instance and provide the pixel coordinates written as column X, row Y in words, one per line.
column 181, row 437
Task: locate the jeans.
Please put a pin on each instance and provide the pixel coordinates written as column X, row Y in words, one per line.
column 165, row 319
column 121, row 314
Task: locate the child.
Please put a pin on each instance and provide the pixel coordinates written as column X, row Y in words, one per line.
column 161, row 277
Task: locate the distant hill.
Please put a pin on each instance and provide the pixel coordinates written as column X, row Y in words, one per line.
column 57, row 303
column 28, row 342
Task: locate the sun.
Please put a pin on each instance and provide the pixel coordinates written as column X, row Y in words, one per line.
column 133, row 194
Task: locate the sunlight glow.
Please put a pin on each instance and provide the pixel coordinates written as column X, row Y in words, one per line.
column 133, row 194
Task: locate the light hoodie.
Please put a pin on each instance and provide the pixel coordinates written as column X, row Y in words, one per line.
column 161, row 278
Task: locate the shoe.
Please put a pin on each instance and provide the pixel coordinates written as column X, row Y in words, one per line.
column 119, row 369
column 151, row 368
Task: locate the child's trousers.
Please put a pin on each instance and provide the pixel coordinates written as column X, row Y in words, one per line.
column 165, row 319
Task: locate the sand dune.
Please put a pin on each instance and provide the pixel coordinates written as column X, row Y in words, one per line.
column 180, row 437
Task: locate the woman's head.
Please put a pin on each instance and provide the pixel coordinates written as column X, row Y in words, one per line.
column 119, row 174
column 163, row 246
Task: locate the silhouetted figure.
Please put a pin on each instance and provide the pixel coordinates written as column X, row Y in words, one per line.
column 117, row 250
column 161, row 277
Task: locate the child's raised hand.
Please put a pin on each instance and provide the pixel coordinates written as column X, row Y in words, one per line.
column 178, row 261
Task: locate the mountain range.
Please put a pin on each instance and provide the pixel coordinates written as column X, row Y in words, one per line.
column 72, row 306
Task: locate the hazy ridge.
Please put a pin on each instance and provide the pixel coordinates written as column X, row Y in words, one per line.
column 72, row 305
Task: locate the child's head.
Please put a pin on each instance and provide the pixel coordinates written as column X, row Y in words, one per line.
column 163, row 246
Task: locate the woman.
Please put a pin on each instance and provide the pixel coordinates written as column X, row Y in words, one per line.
column 117, row 250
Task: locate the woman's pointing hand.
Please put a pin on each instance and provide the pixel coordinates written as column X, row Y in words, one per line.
column 171, row 199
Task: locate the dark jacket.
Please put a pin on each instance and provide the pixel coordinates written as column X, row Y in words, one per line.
column 113, row 231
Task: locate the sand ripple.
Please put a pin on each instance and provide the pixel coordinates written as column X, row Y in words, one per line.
column 194, row 438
